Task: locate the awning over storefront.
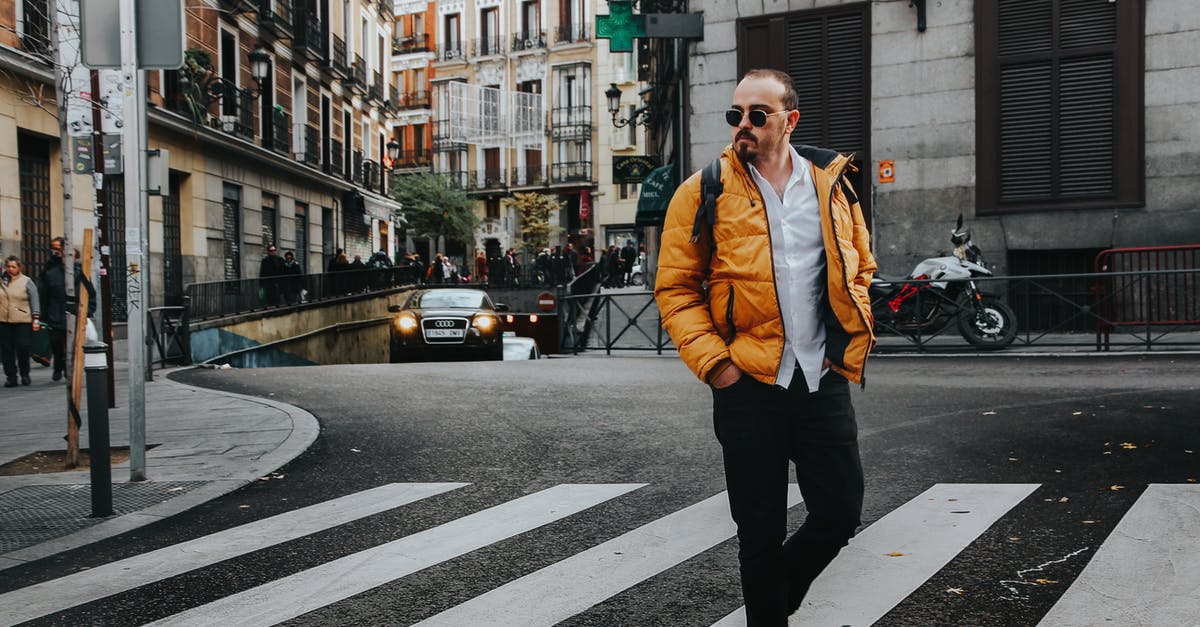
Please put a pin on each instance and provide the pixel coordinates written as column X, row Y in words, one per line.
column 657, row 189
column 379, row 207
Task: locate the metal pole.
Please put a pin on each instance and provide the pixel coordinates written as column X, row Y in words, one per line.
column 96, row 365
column 135, row 161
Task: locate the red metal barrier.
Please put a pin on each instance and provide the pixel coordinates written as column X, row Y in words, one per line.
column 1153, row 292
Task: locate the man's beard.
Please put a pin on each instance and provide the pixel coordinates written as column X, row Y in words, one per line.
column 747, row 152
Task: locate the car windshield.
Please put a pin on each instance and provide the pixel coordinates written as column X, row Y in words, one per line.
column 451, row 299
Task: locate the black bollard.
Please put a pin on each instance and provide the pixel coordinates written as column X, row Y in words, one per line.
column 96, row 365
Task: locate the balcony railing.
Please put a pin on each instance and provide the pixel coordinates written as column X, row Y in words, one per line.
column 372, row 175
column 485, row 179
column 276, row 15
column 392, row 103
column 338, row 57
column 413, row 159
column 456, row 178
column 415, row 100
column 529, row 41
column 356, row 163
column 571, row 171
column 487, row 46
column 358, row 72
column 376, row 90
column 443, row 141
column 571, row 122
column 309, row 37
column 572, row 33
column 312, row 145
column 281, row 135
column 450, row 51
column 236, row 111
column 336, row 159
column 411, row 43
column 527, row 176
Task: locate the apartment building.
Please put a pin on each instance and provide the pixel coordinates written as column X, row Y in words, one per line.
column 1058, row 128
column 413, row 53
column 519, row 106
column 277, row 129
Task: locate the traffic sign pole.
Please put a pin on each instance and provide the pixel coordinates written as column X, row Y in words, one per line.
column 135, row 205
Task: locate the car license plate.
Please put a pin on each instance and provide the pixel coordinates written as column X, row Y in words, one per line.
column 444, row 333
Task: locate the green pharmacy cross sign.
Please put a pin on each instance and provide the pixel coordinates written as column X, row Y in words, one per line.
column 620, row 27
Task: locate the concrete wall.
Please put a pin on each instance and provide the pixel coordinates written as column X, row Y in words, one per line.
column 362, row 345
column 923, row 118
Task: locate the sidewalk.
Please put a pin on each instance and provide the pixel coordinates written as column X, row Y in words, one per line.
column 201, row 444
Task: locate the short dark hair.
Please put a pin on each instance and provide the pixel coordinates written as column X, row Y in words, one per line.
column 790, row 98
column 62, row 241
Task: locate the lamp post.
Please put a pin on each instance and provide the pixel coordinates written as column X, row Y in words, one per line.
column 640, row 116
column 393, row 153
column 260, row 65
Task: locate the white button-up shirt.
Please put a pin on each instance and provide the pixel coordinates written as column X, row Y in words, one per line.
column 798, row 252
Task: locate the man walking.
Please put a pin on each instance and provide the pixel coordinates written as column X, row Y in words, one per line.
column 269, row 271
column 56, row 305
column 781, row 326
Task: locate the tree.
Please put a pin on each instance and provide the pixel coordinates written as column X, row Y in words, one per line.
column 435, row 207
column 535, row 210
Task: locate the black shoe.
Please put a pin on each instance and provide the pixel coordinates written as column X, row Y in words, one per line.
column 25, row 379
column 58, row 374
column 10, row 383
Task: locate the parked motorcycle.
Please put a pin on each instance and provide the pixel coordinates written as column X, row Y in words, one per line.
column 946, row 294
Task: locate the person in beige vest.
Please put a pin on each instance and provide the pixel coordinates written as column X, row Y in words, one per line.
column 19, row 318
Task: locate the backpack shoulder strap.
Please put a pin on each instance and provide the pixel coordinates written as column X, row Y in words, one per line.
column 711, row 188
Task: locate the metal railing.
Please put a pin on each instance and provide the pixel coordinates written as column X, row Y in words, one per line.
column 376, row 90
column 571, row 171
column 411, row 43
column 337, row 61
column 528, row 176
column 450, row 51
column 276, row 15
column 218, row 299
column 308, row 37
column 624, row 320
column 169, row 331
column 414, row 100
column 358, row 71
column 336, row 158
column 529, row 41
column 572, row 33
column 487, row 46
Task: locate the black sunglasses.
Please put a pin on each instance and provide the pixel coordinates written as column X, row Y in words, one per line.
column 757, row 117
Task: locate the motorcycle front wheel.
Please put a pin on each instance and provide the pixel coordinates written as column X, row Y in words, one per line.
column 990, row 325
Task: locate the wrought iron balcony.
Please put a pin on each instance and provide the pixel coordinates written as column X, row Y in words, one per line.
column 336, row 158
column 376, row 90
column 309, row 37
column 444, row 141
column 527, row 176
column 450, row 51
column 337, row 57
column 358, row 72
column 356, row 165
column 487, row 46
column 571, row 122
column 415, row 100
column 276, row 15
column 281, row 133
column 571, row 171
column 529, row 41
column 413, row 159
column 372, row 177
column 408, row 44
column 572, row 33
column 485, row 180
column 312, row 145
column 456, row 179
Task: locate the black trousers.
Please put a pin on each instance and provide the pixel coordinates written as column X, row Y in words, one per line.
column 15, row 342
column 761, row 428
column 58, row 348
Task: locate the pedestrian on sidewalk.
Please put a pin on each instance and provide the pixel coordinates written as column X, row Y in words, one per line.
column 768, row 306
column 52, row 290
column 20, row 317
column 269, row 271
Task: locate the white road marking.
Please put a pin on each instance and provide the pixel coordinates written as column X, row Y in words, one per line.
column 312, row 589
column 1148, row 570
column 571, row 586
column 116, row 577
column 926, row 533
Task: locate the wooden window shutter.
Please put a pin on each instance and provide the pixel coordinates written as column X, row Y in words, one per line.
column 1059, row 104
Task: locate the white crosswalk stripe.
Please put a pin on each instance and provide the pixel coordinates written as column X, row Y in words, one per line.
column 1148, row 570
column 566, row 588
column 116, row 577
column 897, row 553
column 340, row 579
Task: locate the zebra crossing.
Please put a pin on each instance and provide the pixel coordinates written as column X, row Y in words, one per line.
column 1146, row 572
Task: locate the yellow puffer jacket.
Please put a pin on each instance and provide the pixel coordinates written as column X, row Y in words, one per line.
column 719, row 302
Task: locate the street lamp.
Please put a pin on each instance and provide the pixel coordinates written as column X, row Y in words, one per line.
column 641, row 115
column 393, row 152
column 260, row 64
column 201, row 84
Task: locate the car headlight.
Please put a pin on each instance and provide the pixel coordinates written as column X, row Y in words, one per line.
column 406, row 322
column 484, row 323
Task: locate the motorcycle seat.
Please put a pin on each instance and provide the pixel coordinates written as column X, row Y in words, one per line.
column 888, row 278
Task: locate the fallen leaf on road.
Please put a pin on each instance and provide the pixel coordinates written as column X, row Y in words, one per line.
column 176, row 489
column 243, row 507
column 957, row 591
column 1114, row 488
column 1089, row 522
column 1014, row 539
column 1191, row 480
column 895, row 554
column 989, row 413
column 1188, row 451
column 354, row 450
column 1076, row 413
column 1128, row 445
column 1014, row 459
column 1063, row 500
column 1044, row 582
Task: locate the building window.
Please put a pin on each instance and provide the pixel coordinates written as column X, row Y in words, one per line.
column 489, row 31
column 451, row 38
column 270, row 217
column 530, row 18
column 1050, row 76
column 231, row 220
column 493, row 208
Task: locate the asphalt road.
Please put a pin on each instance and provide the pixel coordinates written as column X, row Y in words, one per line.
column 1091, row 433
